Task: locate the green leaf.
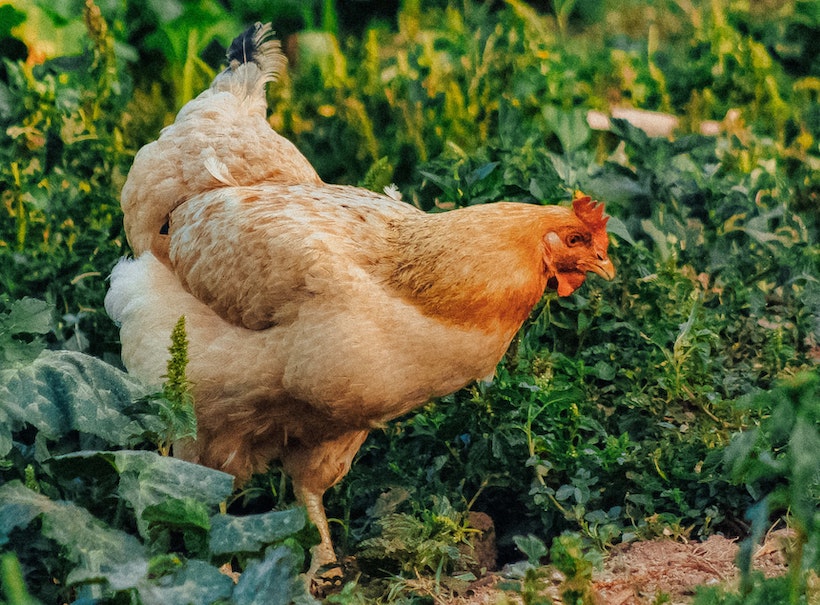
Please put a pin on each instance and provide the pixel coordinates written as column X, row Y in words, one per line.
column 65, row 37
column 13, row 583
column 148, row 479
column 251, row 533
column 64, row 391
column 570, row 127
column 804, row 446
column 565, row 492
column 270, row 581
column 532, row 547
column 194, row 582
column 604, row 370
column 28, row 315
column 631, row 134
column 165, row 10
column 378, row 176
column 480, row 173
column 760, row 228
column 23, row 317
column 178, row 513
column 164, row 476
column 446, row 183
column 659, row 237
column 567, row 554
column 616, row 226
column 101, row 553
column 9, row 19
column 184, row 516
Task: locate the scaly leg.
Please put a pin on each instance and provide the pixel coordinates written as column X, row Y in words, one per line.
column 321, row 554
column 314, row 469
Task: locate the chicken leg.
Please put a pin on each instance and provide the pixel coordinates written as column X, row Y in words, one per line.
column 314, row 468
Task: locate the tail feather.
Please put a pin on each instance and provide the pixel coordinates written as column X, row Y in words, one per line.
column 257, row 44
column 222, row 138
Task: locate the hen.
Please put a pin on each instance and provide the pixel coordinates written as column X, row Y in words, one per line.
column 316, row 312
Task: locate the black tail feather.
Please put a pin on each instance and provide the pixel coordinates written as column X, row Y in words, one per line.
column 257, row 45
column 245, row 46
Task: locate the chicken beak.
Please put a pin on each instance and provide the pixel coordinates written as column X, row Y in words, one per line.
column 604, row 268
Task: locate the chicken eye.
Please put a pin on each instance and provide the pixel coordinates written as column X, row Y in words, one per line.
column 575, row 239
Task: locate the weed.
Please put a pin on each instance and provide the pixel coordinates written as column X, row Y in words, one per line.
column 167, row 417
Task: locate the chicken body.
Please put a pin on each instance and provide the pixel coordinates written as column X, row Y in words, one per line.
column 316, row 312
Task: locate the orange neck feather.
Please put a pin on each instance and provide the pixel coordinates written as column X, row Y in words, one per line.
column 479, row 267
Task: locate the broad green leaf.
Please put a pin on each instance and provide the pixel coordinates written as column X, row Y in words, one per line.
column 532, row 547
column 570, row 127
column 480, row 173
column 23, row 317
column 100, row 552
column 272, row 580
column 195, row 582
column 19, row 506
column 163, row 476
column 565, row 492
column 179, row 512
column 616, row 226
column 148, row 479
column 28, row 315
column 63, row 391
column 446, row 184
column 604, row 370
column 616, row 185
column 631, row 134
column 252, row 533
column 188, row 517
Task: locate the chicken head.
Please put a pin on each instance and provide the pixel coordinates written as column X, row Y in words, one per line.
column 575, row 247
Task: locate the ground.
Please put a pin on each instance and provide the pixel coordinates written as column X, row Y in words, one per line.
column 640, row 573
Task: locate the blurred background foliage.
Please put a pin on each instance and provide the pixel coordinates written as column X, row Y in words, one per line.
column 610, row 413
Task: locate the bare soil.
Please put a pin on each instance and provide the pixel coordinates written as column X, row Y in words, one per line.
column 639, row 573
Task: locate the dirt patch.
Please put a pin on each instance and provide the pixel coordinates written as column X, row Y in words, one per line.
column 638, row 573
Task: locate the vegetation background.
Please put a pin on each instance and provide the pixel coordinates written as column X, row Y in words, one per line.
column 679, row 400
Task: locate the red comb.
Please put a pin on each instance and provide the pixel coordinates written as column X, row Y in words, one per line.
column 590, row 213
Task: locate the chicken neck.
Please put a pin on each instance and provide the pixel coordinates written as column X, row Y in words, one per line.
column 478, row 267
